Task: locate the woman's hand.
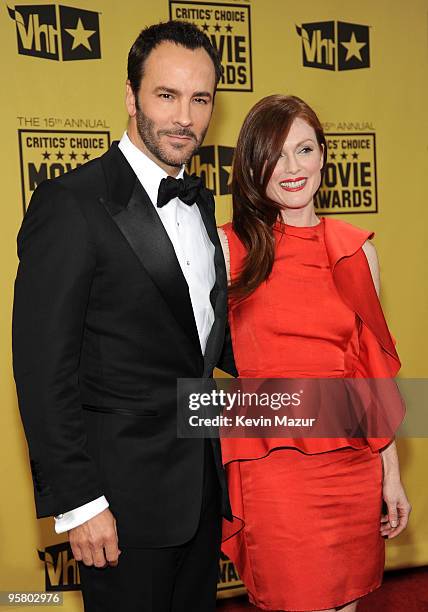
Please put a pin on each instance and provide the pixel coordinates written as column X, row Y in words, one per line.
column 398, row 508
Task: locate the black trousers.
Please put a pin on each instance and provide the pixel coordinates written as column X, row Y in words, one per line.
column 176, row 579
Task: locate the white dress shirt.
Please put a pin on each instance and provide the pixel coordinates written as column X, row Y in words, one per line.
column 195, row 255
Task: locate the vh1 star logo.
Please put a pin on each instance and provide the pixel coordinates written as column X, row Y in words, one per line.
column 214, row 165
column 331, row 45
column 57, row 32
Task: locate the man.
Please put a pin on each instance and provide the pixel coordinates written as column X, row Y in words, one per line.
column 121, row 289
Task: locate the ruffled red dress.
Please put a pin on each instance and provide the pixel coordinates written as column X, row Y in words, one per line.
column 305, row 534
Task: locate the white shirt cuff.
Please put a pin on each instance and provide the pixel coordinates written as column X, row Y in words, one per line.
column 74, row 518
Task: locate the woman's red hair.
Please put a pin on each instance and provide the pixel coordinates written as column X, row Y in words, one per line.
column 258, row 149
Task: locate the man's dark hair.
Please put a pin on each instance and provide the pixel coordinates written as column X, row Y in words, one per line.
column 180, row 32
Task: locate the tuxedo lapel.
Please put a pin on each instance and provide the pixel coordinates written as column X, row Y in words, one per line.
column 134, row 214
column 209, row 223
column 218, row 294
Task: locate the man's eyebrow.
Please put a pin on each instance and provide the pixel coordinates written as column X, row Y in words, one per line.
column 175, row 92
column 202, row 94
column 164, row 89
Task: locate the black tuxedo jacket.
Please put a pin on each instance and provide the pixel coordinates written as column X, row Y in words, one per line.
column 102, row 328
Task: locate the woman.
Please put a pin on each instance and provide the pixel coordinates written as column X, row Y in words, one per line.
column 308, row 533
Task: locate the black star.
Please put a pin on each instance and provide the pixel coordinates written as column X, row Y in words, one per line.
column 344, row 155
column 205, row 27
column 85, row 155
column 229, row 28
column 73, row 155
column 46, row 155
column 60, row 155
column 332, row 155
column 355, row 155
column 217, row 28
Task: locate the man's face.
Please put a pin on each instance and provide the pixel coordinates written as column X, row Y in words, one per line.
column 170, row 116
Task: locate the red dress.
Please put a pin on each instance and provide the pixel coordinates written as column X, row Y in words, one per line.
column 305, row 534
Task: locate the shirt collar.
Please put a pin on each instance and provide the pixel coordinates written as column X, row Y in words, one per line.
column 148, row 172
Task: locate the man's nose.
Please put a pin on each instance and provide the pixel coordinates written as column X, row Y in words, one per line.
column 183, row 113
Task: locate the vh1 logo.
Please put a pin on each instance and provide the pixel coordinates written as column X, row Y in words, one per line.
column 214, row 164
column 61, row 569
column 332, row 45
column 55, row 33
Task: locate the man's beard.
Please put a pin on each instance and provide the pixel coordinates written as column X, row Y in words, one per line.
column 151, row 139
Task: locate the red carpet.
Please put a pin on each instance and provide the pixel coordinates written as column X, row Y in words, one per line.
column 402, row 591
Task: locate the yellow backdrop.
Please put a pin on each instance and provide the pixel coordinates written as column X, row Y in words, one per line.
column 362, row 66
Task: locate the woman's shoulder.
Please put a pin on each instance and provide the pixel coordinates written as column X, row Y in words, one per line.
column 228, row 235
column 225, row 248
column 343, row 228
column 226, row 229
column 224, row 234
column 343, row 239
column 233, row 249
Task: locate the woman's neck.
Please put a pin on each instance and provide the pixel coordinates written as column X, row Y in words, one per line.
column 300, row 217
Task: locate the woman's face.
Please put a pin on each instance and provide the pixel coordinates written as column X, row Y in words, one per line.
column 297, row 174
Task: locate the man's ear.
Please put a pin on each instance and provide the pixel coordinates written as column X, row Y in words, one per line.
column 130, row 101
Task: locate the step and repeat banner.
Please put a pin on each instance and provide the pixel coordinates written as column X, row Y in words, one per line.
column 361, row 65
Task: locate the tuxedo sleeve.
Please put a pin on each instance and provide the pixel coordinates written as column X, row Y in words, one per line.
column 52, row 288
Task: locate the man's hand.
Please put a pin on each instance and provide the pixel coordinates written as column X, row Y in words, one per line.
column 95, row 542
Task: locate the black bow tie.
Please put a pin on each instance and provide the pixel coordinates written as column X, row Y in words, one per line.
column 186, row 189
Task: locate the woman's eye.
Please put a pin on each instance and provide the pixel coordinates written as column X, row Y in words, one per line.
column 306, row 150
